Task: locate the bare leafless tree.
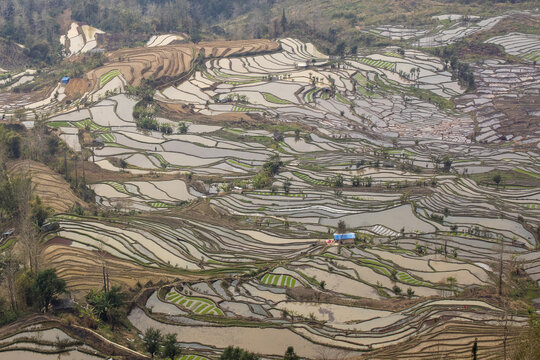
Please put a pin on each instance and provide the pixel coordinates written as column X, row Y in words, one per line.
column 10, row 267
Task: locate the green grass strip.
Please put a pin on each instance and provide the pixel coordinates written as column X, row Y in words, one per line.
column 274, row 99
column 105, row 78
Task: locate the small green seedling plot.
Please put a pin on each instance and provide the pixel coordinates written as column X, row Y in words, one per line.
column 160, row 205
column 108, row 77
column 533, row 56
column 408, row 279
column 268, row 193
column 195, row 304
column 377, row 63
column 360, row 79
column 191, row 357
column 64, row 217
column 377, row 266
column 342, row 100
column 278, row 280
column 310, row 94
column 163, row 163
column 393, row 54
column 87, row 123
column 238, row 163
column 107, row 137
column 310, row 180
column 117, row 186
column 274, row 99
column 57, row 124
column 245, row 109
column 531, row 206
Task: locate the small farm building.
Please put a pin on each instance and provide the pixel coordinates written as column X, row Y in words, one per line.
column 347, row 238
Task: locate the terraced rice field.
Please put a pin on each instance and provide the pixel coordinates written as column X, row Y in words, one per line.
column 87, row 123
column 105, row 78
column 526, row 46
column 278, row 280
column 196, row 305
column 377, row 63
column 274, row 99
column 361, row 141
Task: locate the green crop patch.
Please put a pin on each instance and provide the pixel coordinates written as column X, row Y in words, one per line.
column 160, row 205
column 279, row 280
column 238, row 163
column 107, row 137
column 196, row 305
column 57, row 124
column 88, row 123
column 377, row 63
column 274, row 99
column 342, row 100
column 105, row 78
column 117, row 186
column 246, row 109
column 310, row 180
column 310, row 94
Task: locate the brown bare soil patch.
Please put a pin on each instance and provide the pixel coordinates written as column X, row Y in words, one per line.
column 13, row 99
column 51, row 187
column 520, row 119
column 76, row 87
column 87, row 336
column 171, row 61
column 83, row 269
column 450, row 340
column 517, row 23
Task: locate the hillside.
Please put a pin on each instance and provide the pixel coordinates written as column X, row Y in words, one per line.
column 269, row 179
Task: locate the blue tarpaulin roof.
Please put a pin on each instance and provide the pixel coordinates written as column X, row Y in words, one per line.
column 65, row 79
column 346, row 236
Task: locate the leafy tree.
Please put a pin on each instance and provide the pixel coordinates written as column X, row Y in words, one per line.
column 290, row 354
column 341, row 227
column 52, row 145
column 40, row 212
column 497, row 179
column 11, row 141
column 452, row 282
column 447, row 162
column 410, row 292
column 106, row 303
column 273, row 165
column 397, row 290
column 170, row 347
column 337, row 181
column 287, row 186
column 47, row 286
column 267, row 173
column 152, row 341
column 166, row 128
column 235, row 353
column 183, row 128
column 7, row 315
column 12, row 190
